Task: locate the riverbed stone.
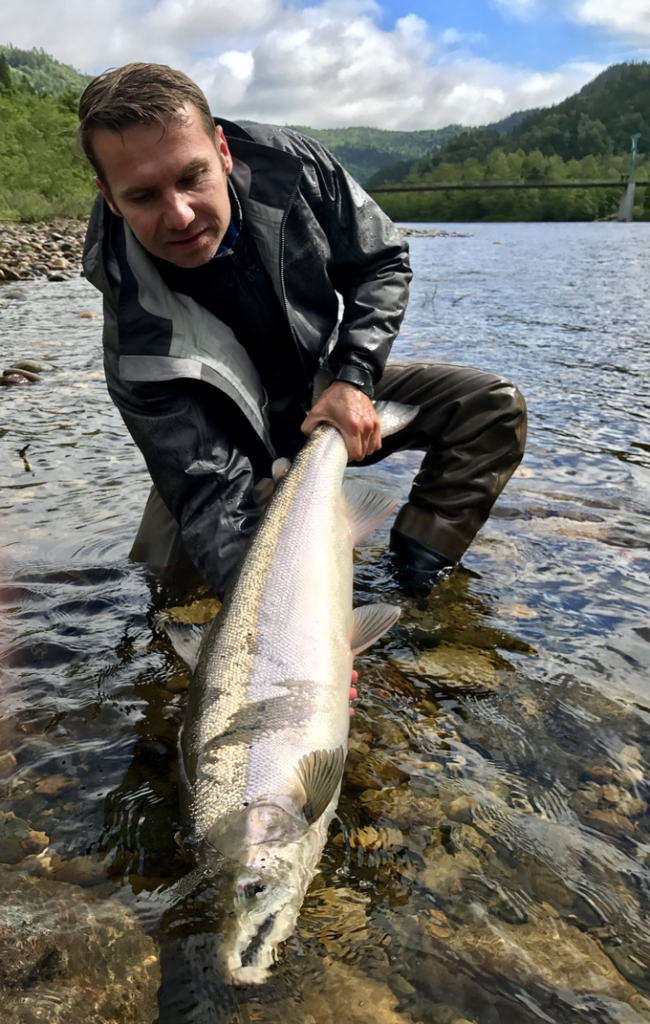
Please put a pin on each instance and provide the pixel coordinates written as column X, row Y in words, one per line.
column 547, row 951
column 546, row 958
column 7, row 763
column 346, row 993
column 54, row 785
column 66, row 957
column 13, row 831
column 340, row 992
column 401, row 807
column 445, row 872
column 29, row 364
column 370, row 839
column 86, row 871
column 375, row 769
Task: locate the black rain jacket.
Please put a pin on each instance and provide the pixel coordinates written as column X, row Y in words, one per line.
column 188, row 392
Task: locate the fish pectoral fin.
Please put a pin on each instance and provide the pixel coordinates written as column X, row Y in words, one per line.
column 367, row 508
column 394, row 416
column 186, row 638
column 320, row 774
column 370, row 622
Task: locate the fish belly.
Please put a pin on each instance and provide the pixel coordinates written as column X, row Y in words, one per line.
column 272, row 684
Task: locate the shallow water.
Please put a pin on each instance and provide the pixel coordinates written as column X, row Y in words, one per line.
column 500, row 749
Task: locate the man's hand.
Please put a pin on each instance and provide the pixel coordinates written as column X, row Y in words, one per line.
column 353, row 689
column 350, row 411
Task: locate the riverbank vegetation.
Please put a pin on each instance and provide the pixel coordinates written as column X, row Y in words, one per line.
column 586, row 137
column 42, row 173
column 518, row 204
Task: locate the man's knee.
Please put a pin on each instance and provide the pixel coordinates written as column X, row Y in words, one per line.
column 514, row 411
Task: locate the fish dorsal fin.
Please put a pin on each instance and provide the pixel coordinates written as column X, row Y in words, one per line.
column 370, row 622
column 368, row 507
column 394, row 416
column 320, row 774
column 186, row 638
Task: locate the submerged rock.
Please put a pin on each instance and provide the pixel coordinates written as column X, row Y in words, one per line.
column 341, row 993
column 68, row 958
column 344, row 993
column 371, row 839
column 458, row 667
column 545, row 960
column 29, row 364
column 13, row 371
column 544, row 951
column 7, row 763
column 375, row 769
column 401, row 807
column 446, row 865
column 13, row 833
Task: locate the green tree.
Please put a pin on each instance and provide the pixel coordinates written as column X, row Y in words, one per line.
column 5, row 74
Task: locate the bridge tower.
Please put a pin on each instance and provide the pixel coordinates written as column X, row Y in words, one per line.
column 626, row 211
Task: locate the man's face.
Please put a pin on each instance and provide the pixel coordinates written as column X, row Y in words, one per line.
column 170, row 185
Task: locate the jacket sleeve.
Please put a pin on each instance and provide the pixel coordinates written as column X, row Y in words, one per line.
column 369, row 266
column 185, row 431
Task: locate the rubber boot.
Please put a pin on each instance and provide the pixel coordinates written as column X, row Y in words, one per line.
column 417, row 568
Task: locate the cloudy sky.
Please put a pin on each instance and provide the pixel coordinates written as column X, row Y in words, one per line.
column 390, row 64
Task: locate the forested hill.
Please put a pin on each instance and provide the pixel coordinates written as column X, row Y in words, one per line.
column 35, row 69
column 597, row 121
column 362, row 151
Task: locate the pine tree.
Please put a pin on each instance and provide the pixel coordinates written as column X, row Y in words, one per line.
column 5, row 74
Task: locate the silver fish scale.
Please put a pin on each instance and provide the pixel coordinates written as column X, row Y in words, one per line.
column 264, row 697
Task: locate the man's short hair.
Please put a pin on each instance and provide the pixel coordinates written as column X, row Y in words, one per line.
column 137, row 94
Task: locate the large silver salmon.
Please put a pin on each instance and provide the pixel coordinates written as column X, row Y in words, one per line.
column 266, row 728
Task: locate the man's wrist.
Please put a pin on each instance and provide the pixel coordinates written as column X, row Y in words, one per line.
column 358, row 378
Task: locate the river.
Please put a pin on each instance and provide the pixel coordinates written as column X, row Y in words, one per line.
column 491, row 862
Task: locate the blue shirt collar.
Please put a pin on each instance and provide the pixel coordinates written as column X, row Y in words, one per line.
column 229, row 238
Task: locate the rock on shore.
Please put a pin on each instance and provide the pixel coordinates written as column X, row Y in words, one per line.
column 49, row 251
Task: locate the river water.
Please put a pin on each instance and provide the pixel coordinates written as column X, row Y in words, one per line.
column 491, row 862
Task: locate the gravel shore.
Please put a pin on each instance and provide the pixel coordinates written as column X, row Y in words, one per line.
column 30, row 251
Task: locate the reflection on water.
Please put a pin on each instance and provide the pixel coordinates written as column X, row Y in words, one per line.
column 490, row 860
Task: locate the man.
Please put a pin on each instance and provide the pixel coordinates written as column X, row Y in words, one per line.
column 221, row 253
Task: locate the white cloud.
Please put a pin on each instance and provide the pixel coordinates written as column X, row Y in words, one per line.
column 628, row 18
column 325, row 65
column 187, row 21
column 241, row 65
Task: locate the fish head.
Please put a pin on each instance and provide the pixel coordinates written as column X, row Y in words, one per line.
column 274, row 866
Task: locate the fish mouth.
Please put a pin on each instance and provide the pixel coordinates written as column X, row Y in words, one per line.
column 255, row 945
column 251, row 966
